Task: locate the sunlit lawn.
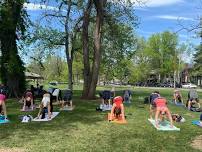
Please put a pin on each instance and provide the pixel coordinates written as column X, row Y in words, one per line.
column 84, row 129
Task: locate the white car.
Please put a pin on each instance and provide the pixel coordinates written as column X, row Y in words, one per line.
column 189, row 85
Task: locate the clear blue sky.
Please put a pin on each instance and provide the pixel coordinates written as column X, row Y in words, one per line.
column 161, row 15
column 155, row 16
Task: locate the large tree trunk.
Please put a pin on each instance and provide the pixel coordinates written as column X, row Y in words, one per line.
column 12, row 69
column 69, row 56
column 91, row 77
column 99, row 4
column 70, row 79
column 85, row 38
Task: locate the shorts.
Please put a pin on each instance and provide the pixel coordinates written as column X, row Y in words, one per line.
column 45, row 110
column 28, row 103
column 126, row 98
column 117, row 111
column 65, row 98
column 153, row 106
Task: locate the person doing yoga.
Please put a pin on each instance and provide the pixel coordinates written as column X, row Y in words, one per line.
column 3, row 111
column 162, row 111
column 45, row 107
column 117, row 111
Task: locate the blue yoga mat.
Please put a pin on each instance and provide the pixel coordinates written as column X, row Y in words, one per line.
column 196, row 122
column 177, row 104
column 164, row 126
column 4, row 121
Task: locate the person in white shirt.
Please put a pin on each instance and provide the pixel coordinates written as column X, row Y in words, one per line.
column 45, row 106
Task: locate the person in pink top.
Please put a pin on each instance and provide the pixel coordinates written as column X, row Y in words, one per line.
column 162, row 110
column 3, row 105
column 117, row 109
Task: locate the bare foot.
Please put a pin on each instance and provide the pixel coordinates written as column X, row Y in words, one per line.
column 157, row 125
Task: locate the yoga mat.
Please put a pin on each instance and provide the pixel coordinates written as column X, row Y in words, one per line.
column 196, row 122
column 118, row 121
column 177, row 104
column 27, row 110
column 164, row 126
column 54, row 114
column 67, row 108
column 4, row 121
column 106, row 107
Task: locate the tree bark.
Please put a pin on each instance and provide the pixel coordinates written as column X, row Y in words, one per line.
column 99, row 4
column 85, row 43
column 11, row 69
column 69, row 56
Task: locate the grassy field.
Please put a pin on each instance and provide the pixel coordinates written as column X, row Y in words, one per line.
column 85, row 130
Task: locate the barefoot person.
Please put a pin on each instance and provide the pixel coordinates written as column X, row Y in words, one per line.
column 45, row 107
column 193, row 100
column 28, row 100
column 152, row 107
column 3, row 111
column 117, row 111
column 67, row 100
column 177, row 97
column 162, row 110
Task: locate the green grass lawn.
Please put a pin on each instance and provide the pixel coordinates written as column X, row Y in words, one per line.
column 85, row 130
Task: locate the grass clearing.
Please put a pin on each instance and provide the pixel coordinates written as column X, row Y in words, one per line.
column 86, row 130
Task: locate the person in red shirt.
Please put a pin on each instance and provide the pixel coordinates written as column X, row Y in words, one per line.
column 117, row 111
column 162, row 110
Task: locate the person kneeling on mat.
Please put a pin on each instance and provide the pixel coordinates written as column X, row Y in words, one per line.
column 45, row 107
column 192, row 100
column 117, row 111
column 67, row 100
column 177, row 97
column 3, row 111
column 28, row 100
column 162, row 111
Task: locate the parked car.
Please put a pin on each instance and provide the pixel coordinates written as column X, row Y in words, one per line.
column 188, row 85
column 166, row 84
